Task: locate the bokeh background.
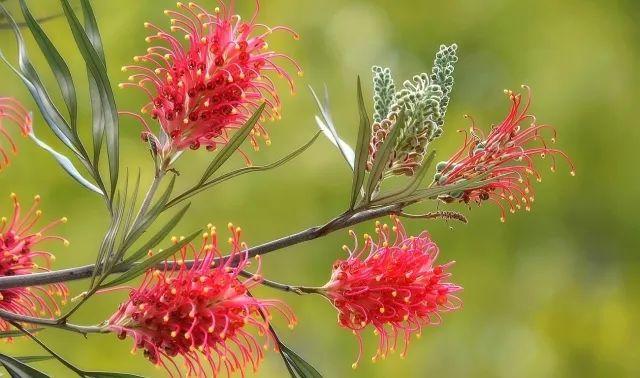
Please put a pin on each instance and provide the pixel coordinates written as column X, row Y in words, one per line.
column 550, row 293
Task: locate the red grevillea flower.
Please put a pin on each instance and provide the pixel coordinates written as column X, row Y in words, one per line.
column 20, row 250
column 12, row 111
column 203, row 314
column 393, row 285
column 505, row 158
column 200, row 92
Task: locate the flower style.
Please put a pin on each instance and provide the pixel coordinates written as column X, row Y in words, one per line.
column 19, row 250
column 201, row 92
column 395, row 288
column 200, row 313
column 503, row 159
column 11, row 110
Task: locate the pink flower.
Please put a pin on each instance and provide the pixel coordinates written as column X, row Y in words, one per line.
column 505, row 157
column 392, row 285
column 203, row 314
column 199, row 93
column 20, row 248
column 11, row 110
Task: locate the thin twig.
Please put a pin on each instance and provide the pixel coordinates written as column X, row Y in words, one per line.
column 84, row 330
column 345, row 220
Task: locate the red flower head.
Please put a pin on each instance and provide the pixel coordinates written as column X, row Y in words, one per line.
column 201, row 313
column 202, row 91
column 392, row 285
column 11, row 110
column 504, row 158
column 19, row 250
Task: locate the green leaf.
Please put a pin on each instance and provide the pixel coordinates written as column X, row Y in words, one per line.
column 140, row 268
column 233, row 144
column 382, row 157
column 29, row 76
column 297, row 366
column 240, row 172
column 31, row 359
column 98, row 71
column 325, row 123
column 19, row 369
column 98, row 122
column 108, row 374
column 58, row 66
column 413, row 184
column 362, row 148
column 157, row 238
column 66, row 164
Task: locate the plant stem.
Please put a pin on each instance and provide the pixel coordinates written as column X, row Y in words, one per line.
column 300, row 290
column 45, row 347
column 345, row 220
column 84, row 330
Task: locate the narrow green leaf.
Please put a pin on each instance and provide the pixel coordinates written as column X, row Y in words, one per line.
column 133, row 202
column 302, row 368
column 413, row 185
column 240, row 172
column 29, row 76
column 91, row 26
column 18, row 369
column 362, row 148
column 58, row 66
column 157, row 237
column 66, row 164
column 382, row 157
column 97, row 69
column 98, row 122
column 140, row 268
column 31, row 359
column 108, row 374
column 233, row 144
column 325, row 124
column 139, row 228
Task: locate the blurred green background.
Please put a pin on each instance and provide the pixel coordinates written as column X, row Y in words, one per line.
column 550, row 293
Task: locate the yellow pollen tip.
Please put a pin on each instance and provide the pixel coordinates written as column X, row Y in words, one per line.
column 572, row 173
column 66, row 243
column 354, row 365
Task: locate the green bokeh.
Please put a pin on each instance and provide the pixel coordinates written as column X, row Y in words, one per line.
column 550, row 293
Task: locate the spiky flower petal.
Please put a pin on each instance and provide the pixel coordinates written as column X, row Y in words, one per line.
column 11, row 111
column 200, row 92
column 505, row 158
column 392, row 285
column 204, row 315
column 21, row 252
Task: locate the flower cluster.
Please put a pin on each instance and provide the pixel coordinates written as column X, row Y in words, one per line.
column 201, row 313
column 504, row 159
column 199, row 93
column 393, row 285
column 20, row 249
column 423, row 101
column 11, row 110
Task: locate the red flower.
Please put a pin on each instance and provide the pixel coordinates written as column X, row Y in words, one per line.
column 11, row 110
column 393, row 285
column 201, row 92
column 19, row 250
column 201, row 313
column 505, row 157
